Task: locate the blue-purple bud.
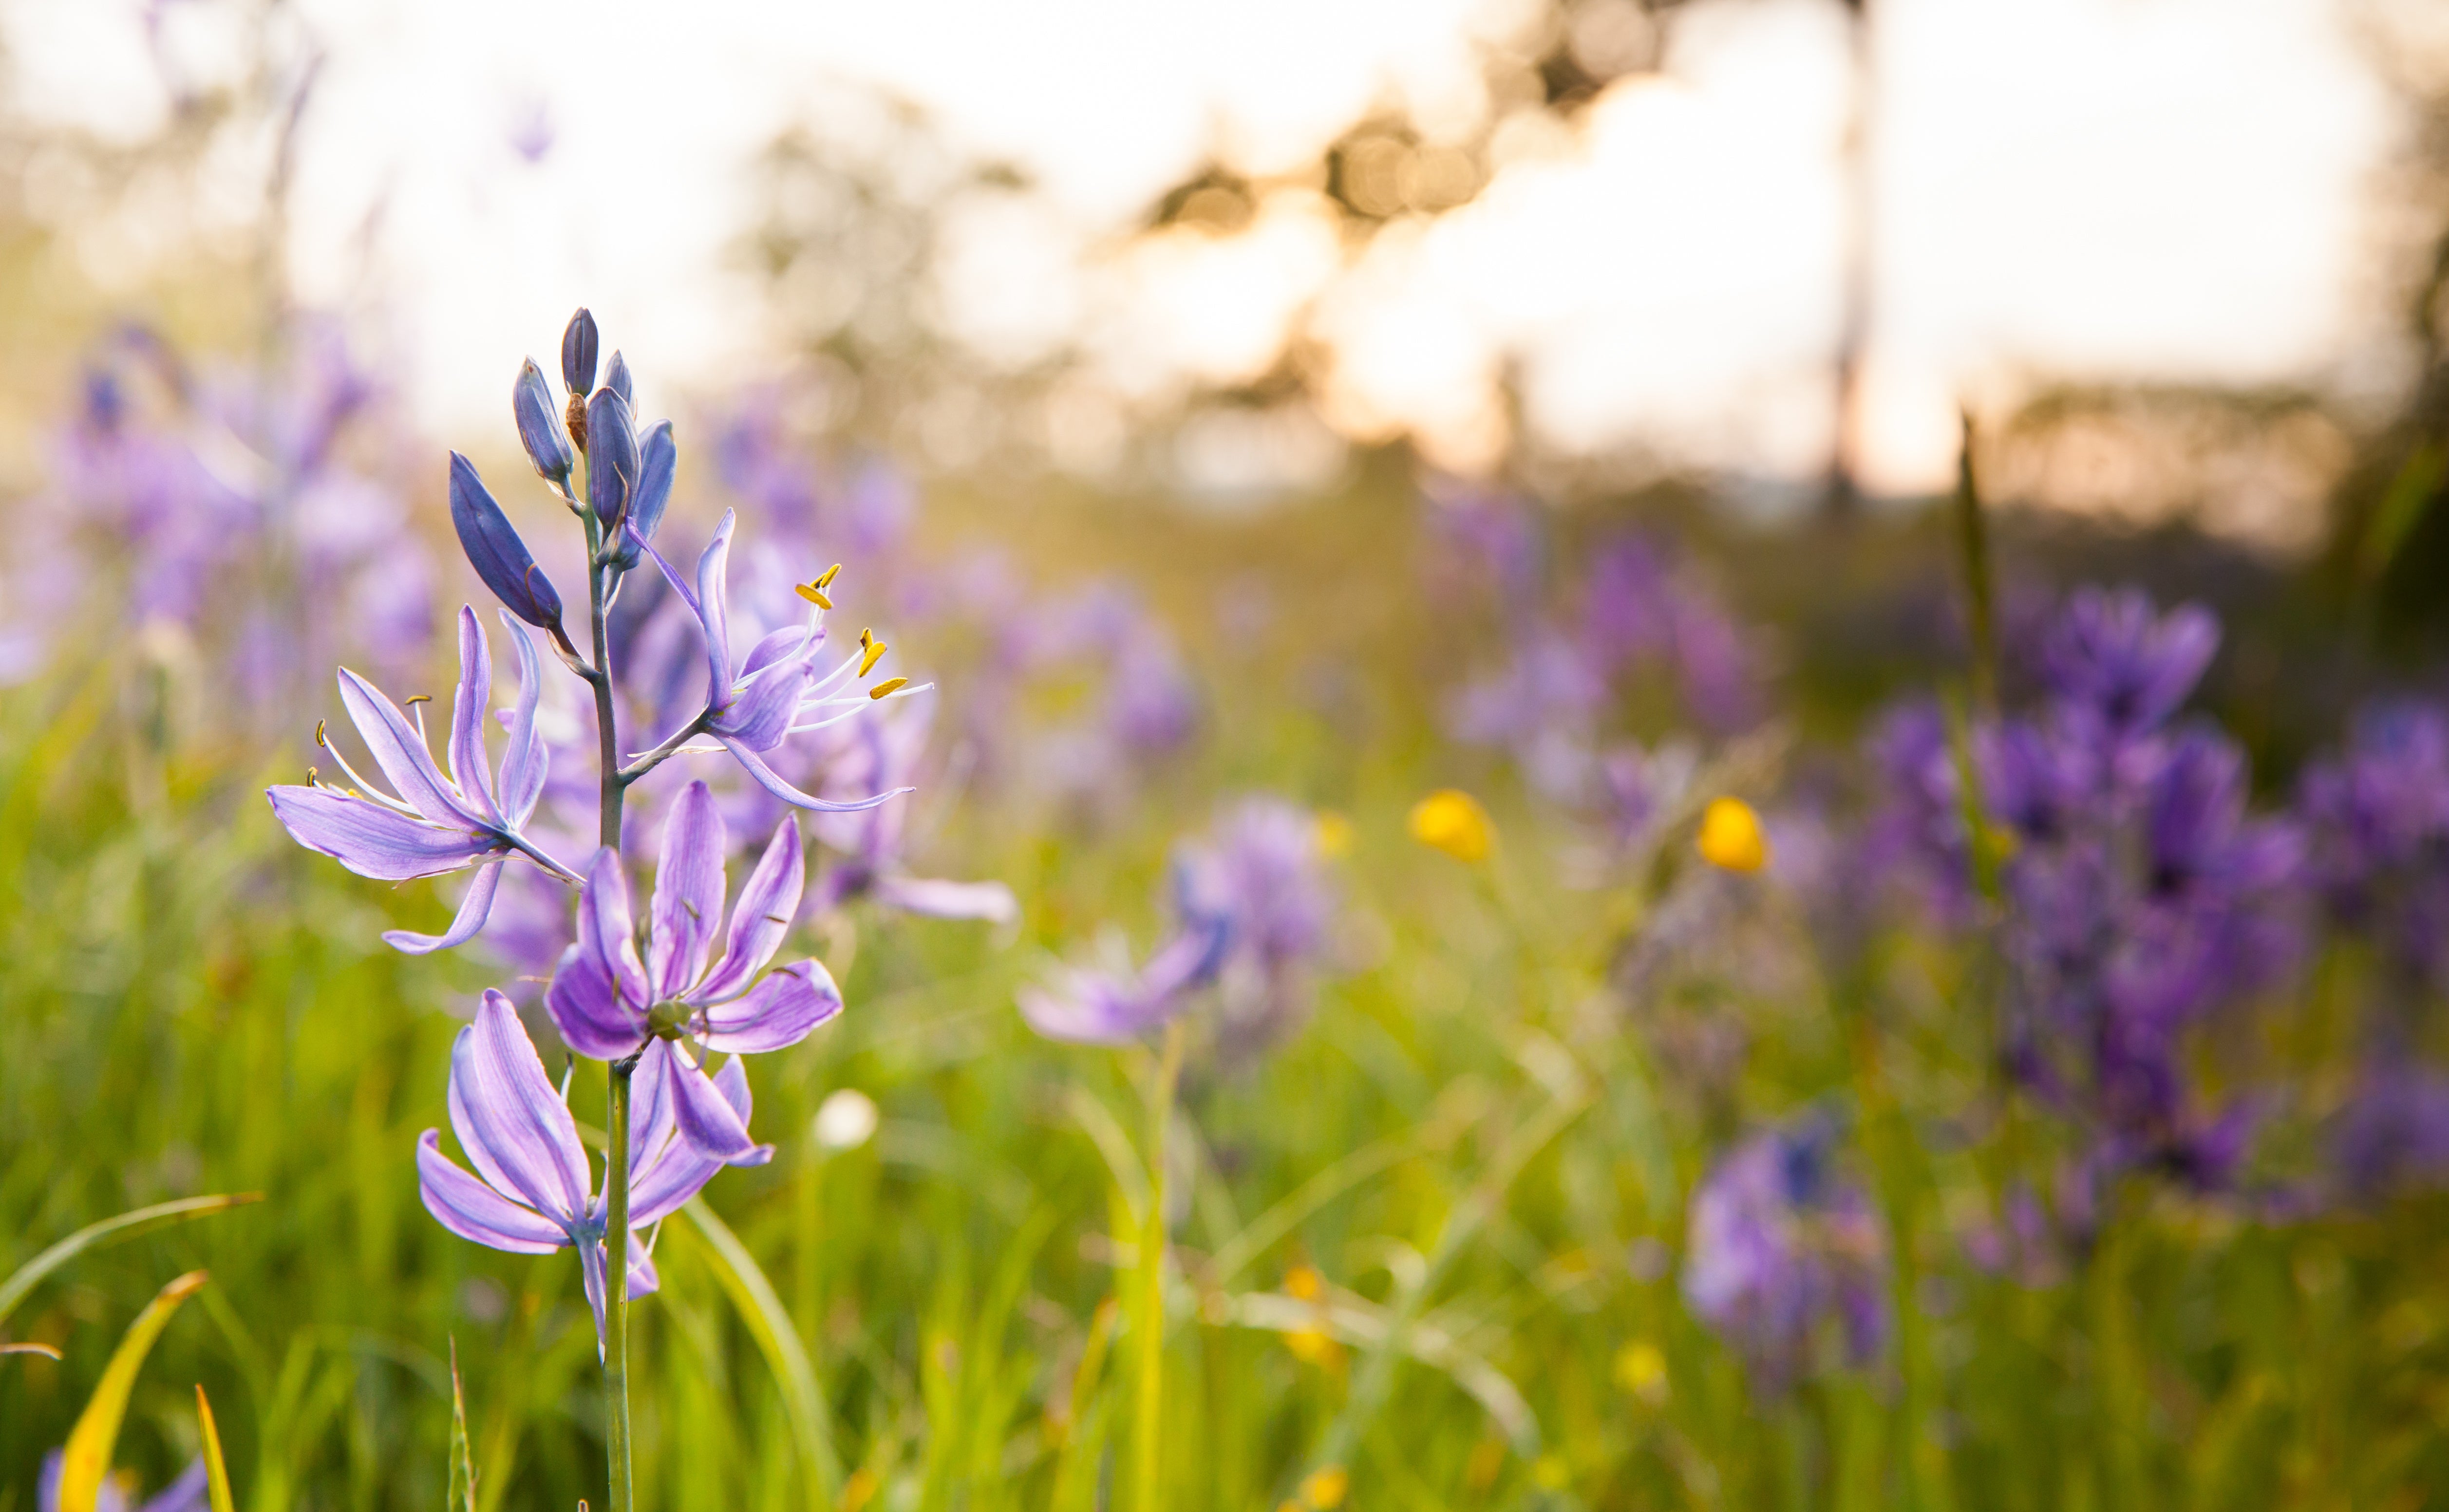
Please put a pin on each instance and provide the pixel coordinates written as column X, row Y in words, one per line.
column 578, row 352
column 658, row 459
column 540, row 425
column 616, row 378
column 611, row 457
column 496, row 552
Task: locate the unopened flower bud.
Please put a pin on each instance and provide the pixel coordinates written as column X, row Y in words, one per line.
column 496, row 552
column 539, row 428
column 578, row 353
column 612, row 458
column 657, row 461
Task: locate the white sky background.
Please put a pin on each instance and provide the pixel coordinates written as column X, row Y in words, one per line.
column 2100, row 188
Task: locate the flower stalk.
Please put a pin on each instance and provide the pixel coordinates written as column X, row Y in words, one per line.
column 1149, row 1426
column 602, row 582
column 616, row 1292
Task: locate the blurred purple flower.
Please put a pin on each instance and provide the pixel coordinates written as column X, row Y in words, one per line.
column 2394, row 1133
column 532, row 1192
column 1777, row 1245
column 2376, row 819
column 1251, row 905
column 874, row 754
column 609, row 1004
column 2113, row 660
column 188, row 1493
column 437, row 824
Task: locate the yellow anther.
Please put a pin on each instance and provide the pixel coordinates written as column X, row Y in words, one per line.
column 1326, row 1489
column 825, row 578
column 1453, row 821
column 319, row 736
column 888, row 687
column 814, row 595
column 422, row 698
column 314, row 775
column 874, row 653
column 1731, row 836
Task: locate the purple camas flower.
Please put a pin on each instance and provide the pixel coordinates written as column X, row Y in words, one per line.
column 534, row 1192
column 2140, row 897
column 1251, row 904
column 2376, row 820
column 877, row 755
column 2120, row 667
column 754, row 704
column 1777, row 1246
column 608, row 1003
column 436, row 824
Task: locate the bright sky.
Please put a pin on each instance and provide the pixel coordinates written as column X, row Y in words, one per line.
column 2162, row 188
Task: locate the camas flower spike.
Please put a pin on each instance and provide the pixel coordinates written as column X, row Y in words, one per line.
column 438, row 823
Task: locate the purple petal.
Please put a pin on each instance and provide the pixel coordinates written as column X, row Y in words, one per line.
column 401, row 753
column 1090, row 1007
column 780, row 1010
column 760, row 715
column 524, row 764
column 470, row 767
column 713, row 613
column 187, row 1493
column 473, row 1210
column 707, row 1121
column 671, row 1171
column 949, row 900
column 772, row 782
column 473, row 909
column 607, row 933
column 688, row 907
column 510, row 1121
column 373, row 841
column 590, row 1017
column 768, row 902
column 643, row 1279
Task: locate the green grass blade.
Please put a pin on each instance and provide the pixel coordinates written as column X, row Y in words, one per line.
column 86, row 1458
column 463, row 1469
column 125, row 1226
column 777, row 1339
column 216, row 1468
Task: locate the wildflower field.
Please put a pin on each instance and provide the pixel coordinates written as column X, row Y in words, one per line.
column 842, row 948
column 1422, row 1000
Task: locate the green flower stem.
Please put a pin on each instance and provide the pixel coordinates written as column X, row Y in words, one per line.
column 1148, row 1426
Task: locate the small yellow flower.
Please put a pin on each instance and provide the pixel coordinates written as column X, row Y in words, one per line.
column 1641, row 1369
column 1731, row 836
column 1324, row 1489
column 1306, row 1282
column 1313, row 1347
column 1453, row 821
column 858, row 1490
column 1334, row 834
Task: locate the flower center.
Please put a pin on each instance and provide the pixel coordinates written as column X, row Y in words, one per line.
column 668, row 1020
